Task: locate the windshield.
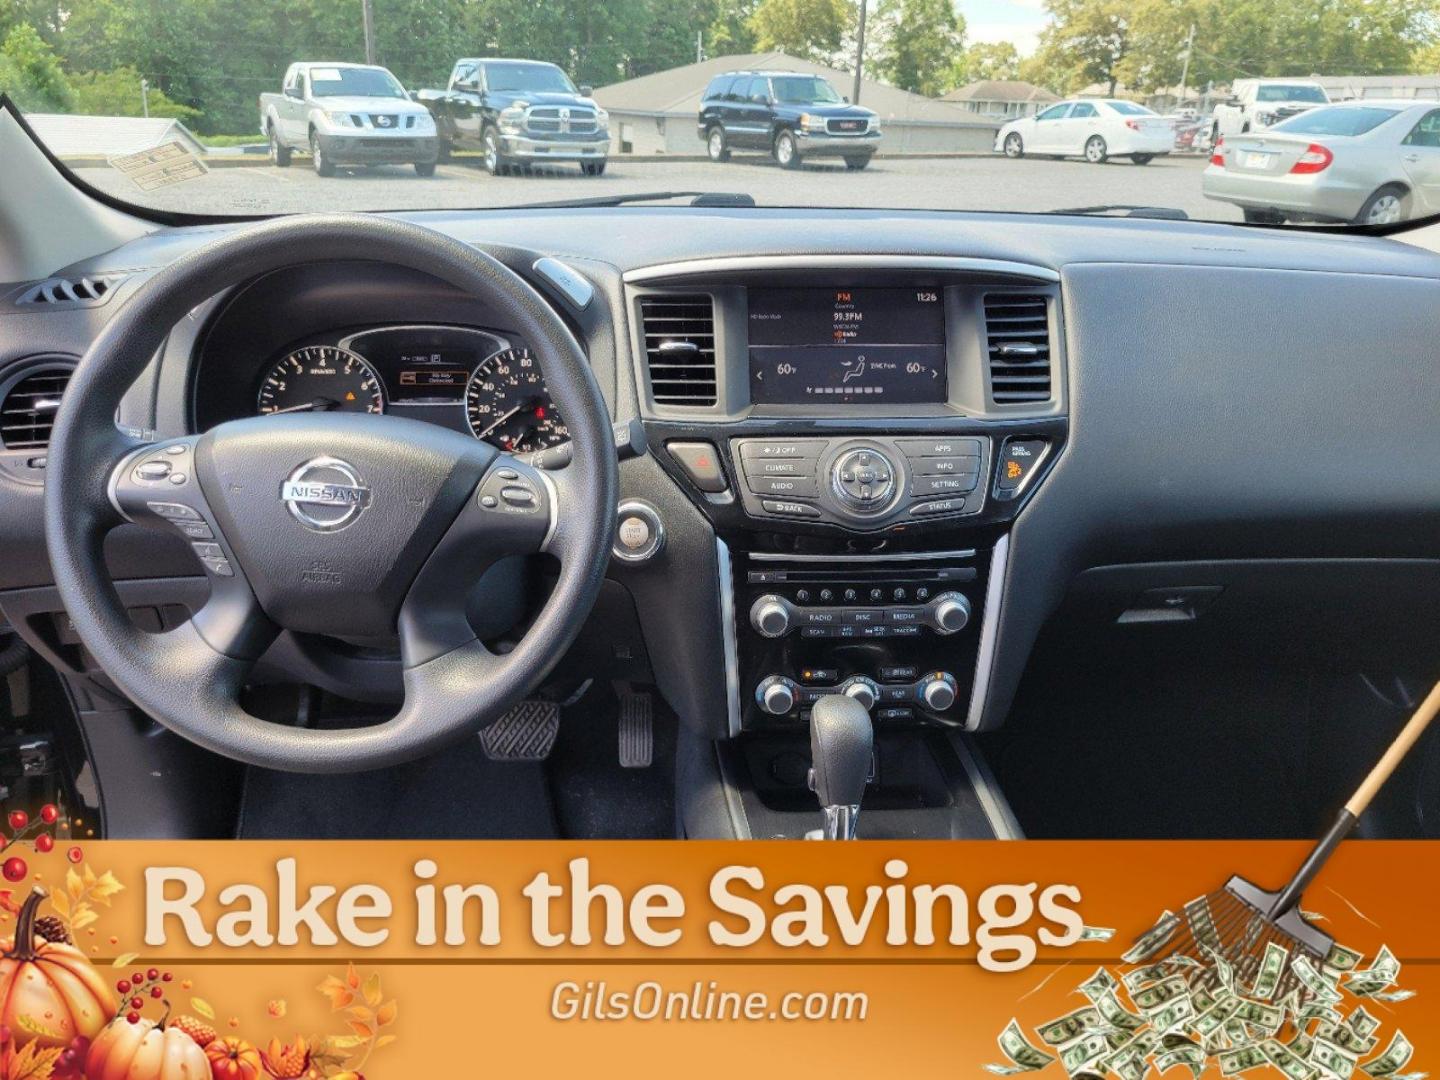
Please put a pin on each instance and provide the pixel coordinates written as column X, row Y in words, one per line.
column 1356, row 121
column 353, row 82
column 256, row 107
column 527, row 78
column 1291, row 93
column 793, row 90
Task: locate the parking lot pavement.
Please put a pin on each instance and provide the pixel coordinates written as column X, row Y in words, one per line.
column 963, row 183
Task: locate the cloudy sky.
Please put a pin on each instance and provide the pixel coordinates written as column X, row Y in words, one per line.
column 1016, row 21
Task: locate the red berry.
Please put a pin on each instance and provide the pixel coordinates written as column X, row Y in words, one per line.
column 156, row 992
column 68, row 1058
column 49, row 813
column 19, row 819
column 44, row 843
column 137, row 978
column 75, row 854
column 133, row 1017
column 166, row 977
column 123, row 986
column 152, row 974
column 137, row 1003
column 15, row 869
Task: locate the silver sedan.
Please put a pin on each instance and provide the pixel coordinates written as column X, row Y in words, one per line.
column 1369, row 162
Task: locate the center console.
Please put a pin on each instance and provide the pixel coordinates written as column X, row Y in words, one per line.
column 861, row 434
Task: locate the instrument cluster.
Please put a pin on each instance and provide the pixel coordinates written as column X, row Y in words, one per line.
column 457, row 376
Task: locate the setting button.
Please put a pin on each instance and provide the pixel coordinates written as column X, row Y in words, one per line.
column 923, row 487
column 701, row 463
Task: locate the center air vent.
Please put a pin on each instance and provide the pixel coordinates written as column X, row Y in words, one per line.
column 1017, row 339
column 27, row 411
column 89, row 291
column 680, row 348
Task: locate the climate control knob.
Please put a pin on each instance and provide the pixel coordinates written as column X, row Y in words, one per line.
column 937, row 691
column 770, row 616
column 776, row 695
column 862, row 690
column 949, row 613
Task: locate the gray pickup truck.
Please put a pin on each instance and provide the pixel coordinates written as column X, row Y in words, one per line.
column 347, row 114
column 519, row 112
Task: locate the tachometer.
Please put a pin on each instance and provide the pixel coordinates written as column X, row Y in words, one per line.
column 321, row 378
column 507, row 404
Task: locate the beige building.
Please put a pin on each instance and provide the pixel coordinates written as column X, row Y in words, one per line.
column 1004, row 99
column 656, row 114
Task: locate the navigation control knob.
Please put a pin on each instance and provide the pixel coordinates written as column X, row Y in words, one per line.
column 776, row 695
column 937, row 690
column 949, row 613
column 862, row 690
column 770, row 616
column 863, row 479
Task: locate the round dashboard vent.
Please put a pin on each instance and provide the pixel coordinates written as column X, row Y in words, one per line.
column 29, row 401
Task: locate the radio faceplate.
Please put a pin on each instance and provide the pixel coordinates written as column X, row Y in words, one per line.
column 899, row 633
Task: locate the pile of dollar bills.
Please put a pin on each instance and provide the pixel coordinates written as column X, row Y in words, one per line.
column 1196, row 1012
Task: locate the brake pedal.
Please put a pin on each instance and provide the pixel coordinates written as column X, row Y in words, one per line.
column 637, row 731
column 525, row 733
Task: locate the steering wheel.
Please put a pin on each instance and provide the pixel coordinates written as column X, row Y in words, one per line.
column 347, row 524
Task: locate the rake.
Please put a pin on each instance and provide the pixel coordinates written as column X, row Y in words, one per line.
column 1239, row 921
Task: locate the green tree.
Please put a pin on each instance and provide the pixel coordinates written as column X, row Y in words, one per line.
column 117, row 93
column 810, row 29
column 1087, row 41
column 729, row 31
column 920, row 44
column 990, row 60
column 30, row 72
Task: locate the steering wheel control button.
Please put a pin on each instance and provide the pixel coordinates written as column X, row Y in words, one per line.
column 209, row 550
column 174, row 511
column 508, row 491
column 863, row 479
column 1018, row 459
column 195, row 530
column 219, row 567
column 175, row 449
column 516, row 495
column 178, row 478
column 155, row 469
column 701, row 462
column 640, row 534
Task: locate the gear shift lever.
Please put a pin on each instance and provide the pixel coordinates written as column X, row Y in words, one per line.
column 841, row 739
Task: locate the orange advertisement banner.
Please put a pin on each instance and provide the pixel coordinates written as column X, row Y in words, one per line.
column 456, row 959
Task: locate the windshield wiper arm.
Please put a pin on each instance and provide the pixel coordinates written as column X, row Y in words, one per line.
column 697, row 198
column 1166, row 213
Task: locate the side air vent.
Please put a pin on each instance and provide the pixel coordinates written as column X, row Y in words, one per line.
column 1017, row 339
column 680, row 348
column 88, row 291
column 27, row 411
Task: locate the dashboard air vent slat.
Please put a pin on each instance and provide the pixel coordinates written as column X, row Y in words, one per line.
column 1017, row 342
column 88, row 291
column 27, row 412
column 680, row 348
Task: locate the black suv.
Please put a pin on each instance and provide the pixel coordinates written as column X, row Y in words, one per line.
column 788, row 114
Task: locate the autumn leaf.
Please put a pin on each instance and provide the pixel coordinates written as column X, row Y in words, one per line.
column 73, row 884
column 361, row 1013
column 372, row 990
column 105, row 888
column 352, row 977
column 82, row 917
column 338, row 993
column 28, row 1023
column 124, row 959
column 386, row 1013
column 336, row 1044
column 203, row 1007
column 384, row 1040
column 365, row 1031
column 61, row 903
column 87, row 875
column 33, row 1063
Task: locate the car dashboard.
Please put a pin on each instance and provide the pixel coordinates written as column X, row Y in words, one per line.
column 863, row 452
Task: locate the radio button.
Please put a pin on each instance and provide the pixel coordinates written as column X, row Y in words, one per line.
column 792, row 448
column 926, row 448
column 797, row 487
column 923, row 486
column 789, row 509
column 946, row 466
column 820, row 616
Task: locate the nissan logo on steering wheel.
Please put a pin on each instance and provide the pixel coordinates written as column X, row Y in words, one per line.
column 325, row 494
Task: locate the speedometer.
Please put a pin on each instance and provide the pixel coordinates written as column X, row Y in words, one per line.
column 506, row 404
column 321, row 378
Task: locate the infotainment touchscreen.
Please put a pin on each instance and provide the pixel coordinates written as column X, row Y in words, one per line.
column 881, row 346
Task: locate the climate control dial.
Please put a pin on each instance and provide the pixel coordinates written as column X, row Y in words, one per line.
column 861, row 689
column 776, row 695
column 937, row 690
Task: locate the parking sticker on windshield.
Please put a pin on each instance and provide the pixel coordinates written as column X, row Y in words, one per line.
column 160, row 167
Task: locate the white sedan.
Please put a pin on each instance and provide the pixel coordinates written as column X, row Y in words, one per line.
column 1096, row 129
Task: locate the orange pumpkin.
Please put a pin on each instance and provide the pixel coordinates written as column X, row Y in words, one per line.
column 145, row 1050
column 51, row 984
column 233, row 1059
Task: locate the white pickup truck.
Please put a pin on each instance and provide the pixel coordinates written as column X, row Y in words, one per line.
column 347, row 114
column 1256, row 104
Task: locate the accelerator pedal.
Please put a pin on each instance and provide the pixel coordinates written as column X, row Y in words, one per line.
column 637, row 731
column 525, row 733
